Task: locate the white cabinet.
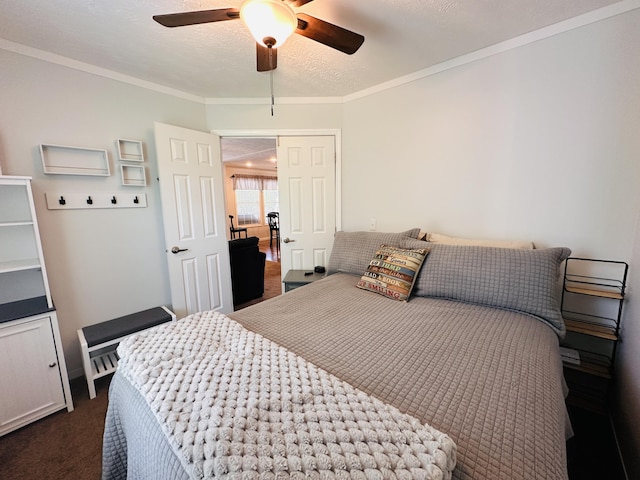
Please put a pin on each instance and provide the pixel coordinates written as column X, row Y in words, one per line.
column 33, row 373
column 30, row 380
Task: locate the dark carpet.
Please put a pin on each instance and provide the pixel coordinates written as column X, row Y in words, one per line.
column 61, row 446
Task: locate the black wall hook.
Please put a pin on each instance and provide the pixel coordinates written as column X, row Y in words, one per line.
column 89, row 200
column 62, row 201
column 136, row 200
column 113, row 200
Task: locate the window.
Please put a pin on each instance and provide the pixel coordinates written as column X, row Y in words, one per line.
column 248, row 207
column 271, row 203
column 255, row 196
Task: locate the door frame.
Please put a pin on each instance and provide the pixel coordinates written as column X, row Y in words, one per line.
column 285, row 132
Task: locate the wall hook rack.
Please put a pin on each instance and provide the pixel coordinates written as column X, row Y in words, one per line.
column 71, row 201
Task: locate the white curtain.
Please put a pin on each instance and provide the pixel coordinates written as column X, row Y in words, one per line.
column 270, row 183
column 254, row 182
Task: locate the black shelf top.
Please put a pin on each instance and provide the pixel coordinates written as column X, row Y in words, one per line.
column 24, row 308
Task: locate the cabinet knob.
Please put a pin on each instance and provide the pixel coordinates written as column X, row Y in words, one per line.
column 51, row 365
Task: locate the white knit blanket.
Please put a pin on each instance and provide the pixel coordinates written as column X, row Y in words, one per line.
column 236, row 405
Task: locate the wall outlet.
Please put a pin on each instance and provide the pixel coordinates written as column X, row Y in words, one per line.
column 372, row 224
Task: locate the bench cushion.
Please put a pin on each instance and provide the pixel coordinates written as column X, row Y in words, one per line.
column 123, row 326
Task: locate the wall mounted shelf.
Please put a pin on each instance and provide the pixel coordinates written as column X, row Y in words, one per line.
column 133, row 175
column 66, row 160
column 18, row 265
column 130, row 150
column 71, row 201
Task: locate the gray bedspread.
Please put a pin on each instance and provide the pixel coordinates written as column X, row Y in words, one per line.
column 489, row 378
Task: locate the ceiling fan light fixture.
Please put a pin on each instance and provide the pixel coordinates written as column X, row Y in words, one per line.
column 270, row 22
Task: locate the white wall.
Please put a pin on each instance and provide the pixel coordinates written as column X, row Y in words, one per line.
column 537, row 143
column 104, row 263
column 627, row 400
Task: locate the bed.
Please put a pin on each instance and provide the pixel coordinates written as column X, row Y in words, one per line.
column 472, row 357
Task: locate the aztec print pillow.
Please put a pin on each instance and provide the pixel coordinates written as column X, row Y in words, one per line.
column 393, row 271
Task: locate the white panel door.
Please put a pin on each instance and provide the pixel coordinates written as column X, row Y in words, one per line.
column 307, row 186
column 191, row 188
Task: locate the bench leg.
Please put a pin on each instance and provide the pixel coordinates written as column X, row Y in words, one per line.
column 86, row 363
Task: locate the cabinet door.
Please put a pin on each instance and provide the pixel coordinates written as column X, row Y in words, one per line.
column 30, row 384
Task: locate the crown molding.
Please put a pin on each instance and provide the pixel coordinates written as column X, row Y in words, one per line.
column 588, row 18
column 93, row 69
column 516, row 42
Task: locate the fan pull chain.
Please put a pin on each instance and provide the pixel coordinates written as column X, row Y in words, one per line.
column 271, row 77
column 271, row 82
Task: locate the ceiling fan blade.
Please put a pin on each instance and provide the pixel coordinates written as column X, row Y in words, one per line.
column 267, row 58
column 298, row 3
column 328, row 34
column 194, row 18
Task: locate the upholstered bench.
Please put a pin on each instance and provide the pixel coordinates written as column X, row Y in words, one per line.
column 98, row 342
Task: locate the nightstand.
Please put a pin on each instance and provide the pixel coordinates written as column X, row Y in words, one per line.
column 297, row 278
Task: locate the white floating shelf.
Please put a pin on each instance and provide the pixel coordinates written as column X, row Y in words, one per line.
column 71, row 201
column 130, row 150
column 65, row 160
column 18, row 265
column 133, row 175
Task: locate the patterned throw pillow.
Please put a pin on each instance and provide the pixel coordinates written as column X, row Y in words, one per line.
column 393, row 271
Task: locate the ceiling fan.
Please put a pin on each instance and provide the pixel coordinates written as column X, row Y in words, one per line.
column 271, row 22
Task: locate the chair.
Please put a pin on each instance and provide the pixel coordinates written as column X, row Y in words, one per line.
column 274, row 227
column 233, row 230
column 247, row 269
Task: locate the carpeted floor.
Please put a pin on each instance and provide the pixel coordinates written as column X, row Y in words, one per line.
column 62, row 446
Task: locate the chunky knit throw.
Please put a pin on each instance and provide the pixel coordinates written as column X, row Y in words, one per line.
column 235, row 405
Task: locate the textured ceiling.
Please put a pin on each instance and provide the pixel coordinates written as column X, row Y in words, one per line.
column 249, row 152
column 218, row 60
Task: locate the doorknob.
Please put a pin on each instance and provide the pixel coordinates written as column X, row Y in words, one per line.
column 175, row 250
column 288, row 240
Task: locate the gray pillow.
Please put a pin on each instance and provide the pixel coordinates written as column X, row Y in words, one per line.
column 352, row 251
column 514, row 279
